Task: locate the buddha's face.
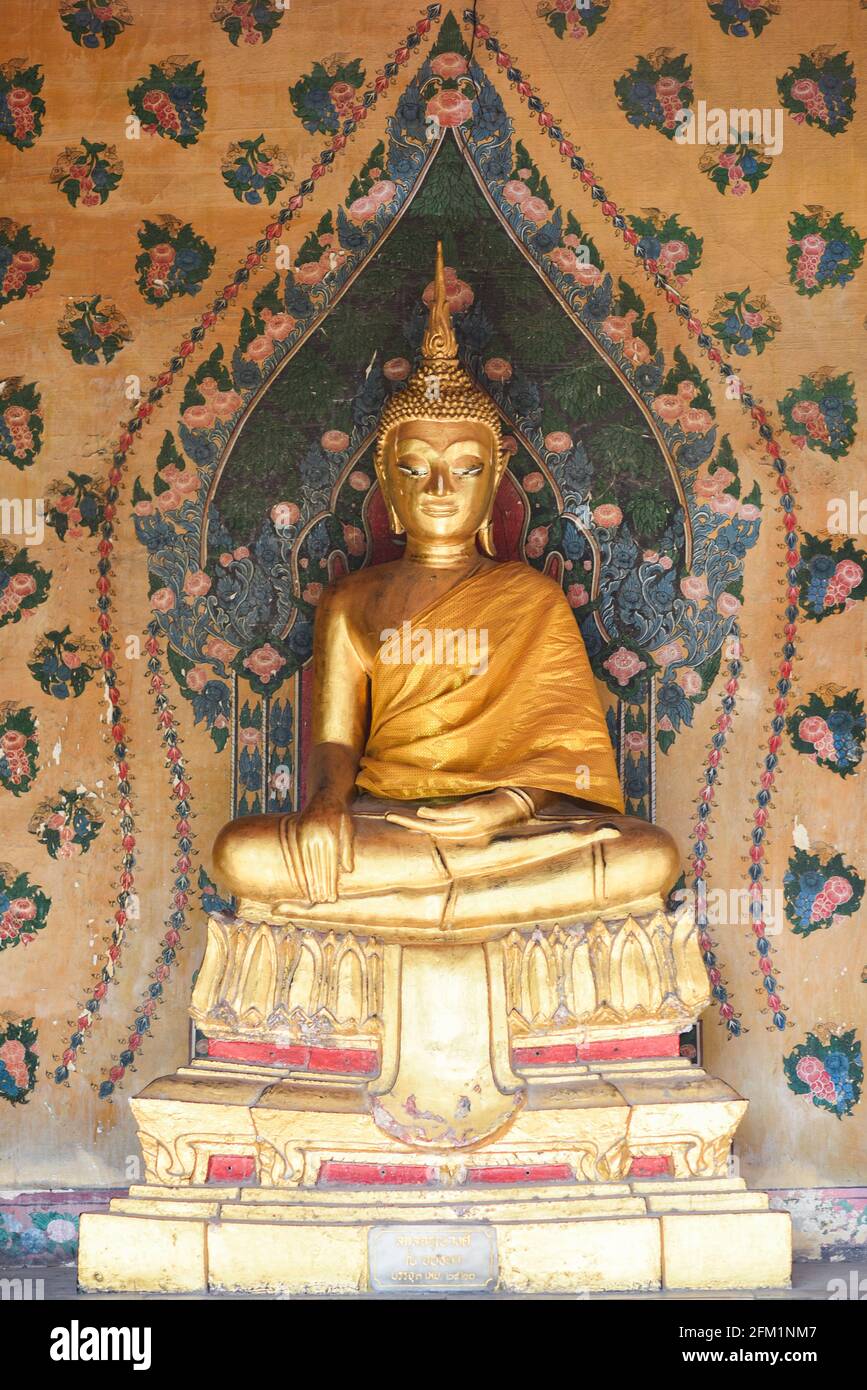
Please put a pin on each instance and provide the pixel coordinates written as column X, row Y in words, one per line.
column 441, row 478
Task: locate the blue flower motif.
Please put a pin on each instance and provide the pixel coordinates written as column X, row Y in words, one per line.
column 823, row 566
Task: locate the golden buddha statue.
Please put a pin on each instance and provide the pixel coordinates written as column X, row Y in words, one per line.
column 455, row 717
column 450, row 993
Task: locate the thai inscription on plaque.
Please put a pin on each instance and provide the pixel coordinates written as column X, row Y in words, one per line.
column 441, row 1259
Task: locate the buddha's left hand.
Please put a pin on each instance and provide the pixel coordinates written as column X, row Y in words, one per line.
column 473, row 819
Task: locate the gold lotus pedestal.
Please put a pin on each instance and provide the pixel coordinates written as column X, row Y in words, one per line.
column 405, row 1111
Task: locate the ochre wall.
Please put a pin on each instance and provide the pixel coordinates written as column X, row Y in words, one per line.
column 65, row 1136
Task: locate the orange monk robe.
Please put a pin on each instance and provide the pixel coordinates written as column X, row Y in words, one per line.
column 488, row 687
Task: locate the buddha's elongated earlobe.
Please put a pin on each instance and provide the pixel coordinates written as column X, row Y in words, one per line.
column 485, row 539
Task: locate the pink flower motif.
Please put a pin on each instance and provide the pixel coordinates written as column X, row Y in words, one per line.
column 363, row 209
column 355, row 540
column 813, row 245
column 55, row 822
column 688, row 680
column 668, row 408
column 225, row 404
column 586, row 275
column 838, row 889
column 241, row 552
column 668, row 86
column 536, row 542
column 738, row 189
column 534, row 482
column 279, row 326
column 167, row 501
column 754, row 320
column 23, row 908
column 458, row 294
column 382, row 191
column 251, row 738
column 813, row 729
column 673, row 251
column 341, row 93
column 618, row 328
column 498, row 369
column 197, row 583
column 564, row 259
column 808, row 1069
column 536, row 210
column 396, row 369
column 71, row 660
column 805, row 89
column 450, row 108
column 259, row 348
column 727, row 605
column 449, row 65
column 311, row 272
column 636, row 351
column 671, row 652
column 264, row 662
column 198, row 677
column 198, row 417
column 724, row 504
column 163, row 600
column 22, row 585
column 12, row 741
column 694, row 587
column 623, row 665
column 748, row 511
column 359, row 482
column 804, row 411
column 558, row 441
column 577, row 595
column 312, row 594
column 516, row 192
column 635, row 741
column 285, row 514
column 607, row 515
column 219, row 650
column 850, row 573
column 695, row 421
column 334, row 441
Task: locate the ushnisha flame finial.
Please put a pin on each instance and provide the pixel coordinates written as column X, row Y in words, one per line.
column 439, row 339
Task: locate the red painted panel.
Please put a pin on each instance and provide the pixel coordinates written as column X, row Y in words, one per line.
column 230, row 1168
column 666, row 1046
column 345, row 1060
column 342, row 1061
column 540, row 1056
column 269, row 1053
column 380, row 1174
column 538, row 1172
column 651, row 1166
column 624, row 1048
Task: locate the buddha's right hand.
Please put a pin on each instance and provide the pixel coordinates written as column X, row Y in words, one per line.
column 321, row 843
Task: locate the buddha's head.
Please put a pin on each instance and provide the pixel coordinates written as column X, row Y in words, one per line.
column 439, row 455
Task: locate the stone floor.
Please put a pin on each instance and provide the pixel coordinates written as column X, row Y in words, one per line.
column 811, row 1280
